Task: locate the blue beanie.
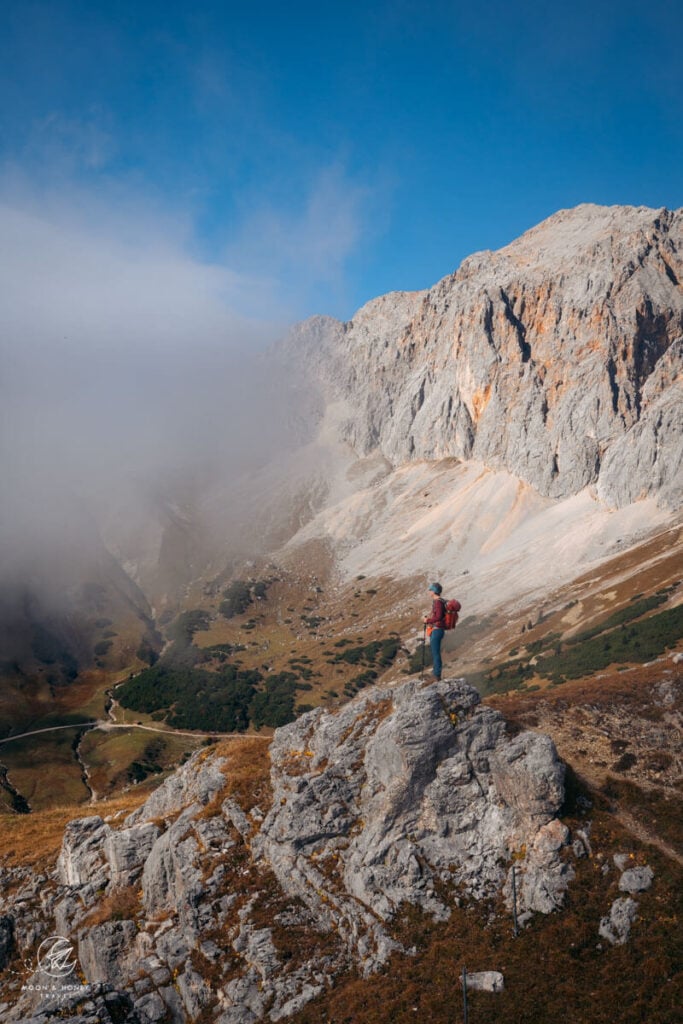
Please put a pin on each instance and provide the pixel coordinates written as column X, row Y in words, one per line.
column 436, row 588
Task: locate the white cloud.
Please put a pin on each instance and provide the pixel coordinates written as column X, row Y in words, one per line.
column 126, row 361
column 69, row 282
column 305, row 246
column 121, row 357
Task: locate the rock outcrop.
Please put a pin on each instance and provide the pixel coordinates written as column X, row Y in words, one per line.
column 399, row 798
column 377, row 803
column 557, row 358
column 616, row 926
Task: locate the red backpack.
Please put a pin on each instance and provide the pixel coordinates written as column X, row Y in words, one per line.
column 451, row 616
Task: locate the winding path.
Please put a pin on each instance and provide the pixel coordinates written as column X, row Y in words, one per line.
column 51, row 728
column 104, row 726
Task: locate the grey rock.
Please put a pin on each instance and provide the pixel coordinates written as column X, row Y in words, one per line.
column 127, row 850
column 211, row 951
column 543, row 876
column 6, row 940
column 556, row 358
column 161, row 975
column 648, row 459
column 151, row 1009
column 305, row 992
column 71, row 909
column 485, row 981
column 245, row 999
column 194, row 785
column 582, row 840
column 636, row 879
column 621, row 860
column 176, row 1012
column 106, row 952
column 91, row 1004
column 82, row 859
column 374, row 806
column 174, row 947
column 399, row 789
column 171, row 879
column 528, row 776
column 616, row 926
column 195, row 993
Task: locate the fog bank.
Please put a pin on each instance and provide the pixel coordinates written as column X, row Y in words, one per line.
column 128, row 368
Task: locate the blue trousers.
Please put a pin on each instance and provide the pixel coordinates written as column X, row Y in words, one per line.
column 435, row 644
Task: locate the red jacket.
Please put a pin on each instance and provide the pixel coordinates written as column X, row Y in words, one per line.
column 436, row 619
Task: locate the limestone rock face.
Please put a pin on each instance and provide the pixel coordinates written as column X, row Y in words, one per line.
column 82, row 858
column 409, row 786
column 557, row 358
column 178, row 912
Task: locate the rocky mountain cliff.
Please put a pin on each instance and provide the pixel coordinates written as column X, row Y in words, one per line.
column 457, row 429
column 557, row 358
column 246, row 907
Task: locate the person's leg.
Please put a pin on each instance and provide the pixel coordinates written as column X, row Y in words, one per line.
column 435, row 644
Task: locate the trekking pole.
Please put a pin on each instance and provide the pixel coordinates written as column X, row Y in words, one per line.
column 515, row 930
column 464, row 995
column 424, row 644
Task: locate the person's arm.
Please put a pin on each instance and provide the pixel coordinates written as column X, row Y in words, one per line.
column 438, row 613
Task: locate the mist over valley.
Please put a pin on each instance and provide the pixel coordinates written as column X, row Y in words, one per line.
column 216, row 547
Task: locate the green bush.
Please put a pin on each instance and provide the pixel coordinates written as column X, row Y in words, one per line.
column 421, row 656
column 274, row 704
column 146, row 652
column 236, row 599
column 187, row 624
column 618, row 640
column 224, row 701
column 377, row 652
column 641, row 641
column 619, row 618
column 149, row 763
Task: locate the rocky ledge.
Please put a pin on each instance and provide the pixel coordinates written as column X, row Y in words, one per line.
column 198, row 906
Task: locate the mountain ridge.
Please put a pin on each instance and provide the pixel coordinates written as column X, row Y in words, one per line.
column 307, row 876
column 558, row 358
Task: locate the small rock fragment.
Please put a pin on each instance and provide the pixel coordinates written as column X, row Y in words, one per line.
column 636, row 879
column 485, row 981
column 616, row 927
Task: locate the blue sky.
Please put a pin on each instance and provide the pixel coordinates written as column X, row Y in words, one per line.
column 306, row 157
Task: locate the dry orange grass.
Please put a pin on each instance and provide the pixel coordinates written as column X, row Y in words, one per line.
column 34, row 840
column 122, row 904
column 361, row 610
column 557, row 969
column 247, row 771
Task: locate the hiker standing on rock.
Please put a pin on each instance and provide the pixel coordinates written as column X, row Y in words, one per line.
column 435, row 625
